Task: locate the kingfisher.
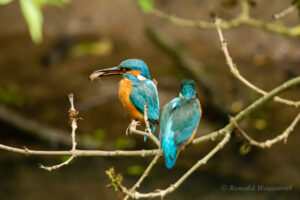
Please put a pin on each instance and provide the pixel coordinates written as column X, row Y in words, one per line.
column 179, row 122
column 137, row 91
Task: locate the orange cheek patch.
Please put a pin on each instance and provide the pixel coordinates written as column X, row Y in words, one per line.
column 134, row 73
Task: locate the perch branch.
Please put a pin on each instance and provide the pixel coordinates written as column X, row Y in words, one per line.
column 83, row 153
column 242, row 19
column 236, row 73
column 269, row 143
column 211, row 136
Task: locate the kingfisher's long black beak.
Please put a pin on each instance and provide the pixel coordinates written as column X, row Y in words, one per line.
column 108, row 72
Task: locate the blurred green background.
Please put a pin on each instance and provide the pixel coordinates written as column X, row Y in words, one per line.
column 39, row 70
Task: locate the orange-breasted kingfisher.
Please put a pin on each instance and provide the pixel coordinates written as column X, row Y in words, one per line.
column 179, row 122
column 136, row 90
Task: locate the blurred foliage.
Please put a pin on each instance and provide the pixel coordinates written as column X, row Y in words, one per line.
column 65, row 158
column 135, row 170
column 116, row 179
column 124, row 143
column 97, row 137
column 102, row 47
column 297, row 3
column 245, row 149
column 260, row 124
column 32, row 12
column 236, row 106
column 9, row 95
column 146, row 6
column 2, row 2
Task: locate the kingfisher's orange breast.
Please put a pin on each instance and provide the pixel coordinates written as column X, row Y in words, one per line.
column 124, row 96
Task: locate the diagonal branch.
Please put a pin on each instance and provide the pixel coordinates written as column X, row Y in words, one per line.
column 269, row 143
column 145, row 174
column 284, row 12
column 171, row 188
column 236, row 73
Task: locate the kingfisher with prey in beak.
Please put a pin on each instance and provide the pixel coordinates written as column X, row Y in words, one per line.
column 179, row 122
column 137, row 91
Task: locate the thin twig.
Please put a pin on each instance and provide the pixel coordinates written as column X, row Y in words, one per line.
column 146, row 119
column 269, row 143
column 145, row 174
column 73, row 115
column 142, row 133
column 236, row 73
column 284, row 12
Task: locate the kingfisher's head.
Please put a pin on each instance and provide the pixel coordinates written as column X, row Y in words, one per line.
column 134, row 67
column 187, row 89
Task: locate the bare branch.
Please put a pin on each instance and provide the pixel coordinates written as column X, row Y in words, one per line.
column 142, row 133
column 284, row 12
column 236, row 73
column 269, row 143
column 145, row 174
column 146, row 119
column 84, row 153
column 171, row 188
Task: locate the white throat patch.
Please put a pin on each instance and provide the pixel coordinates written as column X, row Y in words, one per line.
column 180, row 95
column 141, row 78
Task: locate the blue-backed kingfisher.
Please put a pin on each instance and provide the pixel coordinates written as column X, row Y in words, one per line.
column 179, row 122
column 136, row 90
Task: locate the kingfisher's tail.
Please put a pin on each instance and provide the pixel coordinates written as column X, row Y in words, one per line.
column 170, row 149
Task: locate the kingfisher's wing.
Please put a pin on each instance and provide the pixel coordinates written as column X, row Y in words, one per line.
column 145, row 92
column 166, row 117
column 186, row 118
column 181, row 117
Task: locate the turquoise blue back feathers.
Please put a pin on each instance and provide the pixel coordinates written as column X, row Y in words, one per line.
column 179, row 121
column 143, row 92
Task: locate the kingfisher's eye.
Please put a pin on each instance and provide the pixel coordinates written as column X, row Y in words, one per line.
column 124, row 69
